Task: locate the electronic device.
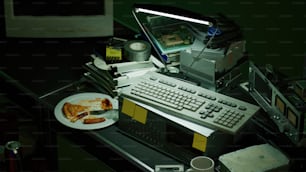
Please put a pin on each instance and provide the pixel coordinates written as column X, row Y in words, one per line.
column 171, row 135
column 214, row 69
column 169, row 35
column 168, row 12
column 191, row 102
column 210, row 50
column 169, row 168
column 57, row 19
column 284, row 106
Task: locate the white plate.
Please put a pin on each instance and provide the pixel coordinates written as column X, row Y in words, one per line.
column 82, row 99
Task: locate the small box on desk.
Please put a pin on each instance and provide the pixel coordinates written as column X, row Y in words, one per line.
column 261, row 158
column 168, row 134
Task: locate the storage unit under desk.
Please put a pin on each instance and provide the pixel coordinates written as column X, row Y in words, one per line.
column 178, row 138
column 142, row 156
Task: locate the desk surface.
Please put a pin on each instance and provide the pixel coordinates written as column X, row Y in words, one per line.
column 142, row 156
column 48, row 71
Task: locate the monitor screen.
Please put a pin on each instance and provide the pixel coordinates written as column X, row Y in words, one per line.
column 58, row 7
column 292, row 117
column 280, row 104
column 58, row 18
column 263, row 89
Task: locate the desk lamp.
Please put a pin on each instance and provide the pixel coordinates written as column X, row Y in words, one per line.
column 174, row 13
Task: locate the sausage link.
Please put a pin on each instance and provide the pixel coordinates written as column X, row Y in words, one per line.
column 93, row 120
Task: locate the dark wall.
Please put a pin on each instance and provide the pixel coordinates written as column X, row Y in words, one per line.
column 275, row 30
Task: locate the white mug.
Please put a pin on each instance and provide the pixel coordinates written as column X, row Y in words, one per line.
column 201, row 164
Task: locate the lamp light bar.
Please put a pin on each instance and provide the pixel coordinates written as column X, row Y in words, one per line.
column 172, row 16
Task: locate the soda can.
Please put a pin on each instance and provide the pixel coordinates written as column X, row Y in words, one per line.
column 13, row 156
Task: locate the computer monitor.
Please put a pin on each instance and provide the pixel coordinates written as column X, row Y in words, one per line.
column 58, row 18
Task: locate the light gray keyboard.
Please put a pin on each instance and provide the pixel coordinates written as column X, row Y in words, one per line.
column 190, row 102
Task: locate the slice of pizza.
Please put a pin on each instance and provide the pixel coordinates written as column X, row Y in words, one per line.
column 72, row 111
column 106, row 104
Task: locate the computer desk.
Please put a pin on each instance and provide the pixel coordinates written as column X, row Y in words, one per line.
column 36, row 74
column 35, row 78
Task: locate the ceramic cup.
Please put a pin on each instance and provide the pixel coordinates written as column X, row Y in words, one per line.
column 201, row 164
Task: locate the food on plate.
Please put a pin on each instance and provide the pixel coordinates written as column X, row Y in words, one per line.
column 81, row 110
column 106, row 104
column 93, row 120
column 79, row 116
column 71, row 111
